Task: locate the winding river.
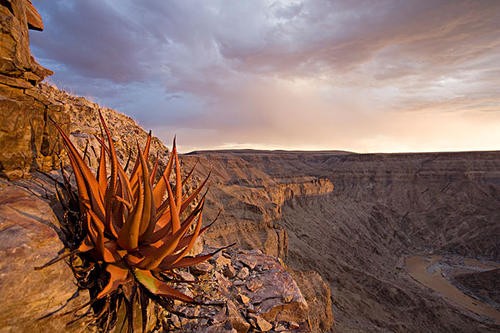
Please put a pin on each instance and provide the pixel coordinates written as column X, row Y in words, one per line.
column 427, row 271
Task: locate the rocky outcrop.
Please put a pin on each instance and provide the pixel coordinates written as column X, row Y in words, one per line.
column 24, row 132
column 82, row 123
column 318, row 297
column 251, row 199
column 244, row 291
column 17, row 63
column 28, row 240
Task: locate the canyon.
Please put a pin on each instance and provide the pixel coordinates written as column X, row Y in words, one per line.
column 354, row 218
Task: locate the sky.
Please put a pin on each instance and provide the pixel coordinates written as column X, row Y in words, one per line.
column 363, row 76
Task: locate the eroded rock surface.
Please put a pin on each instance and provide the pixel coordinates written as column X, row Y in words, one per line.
column 251, row 199
column 83, row 125
column 28, row 240
column 24, row 130
column 264, row 298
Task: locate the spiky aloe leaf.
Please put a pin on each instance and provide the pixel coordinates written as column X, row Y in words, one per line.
column 149, row 211
column 128, row 237
column 161, row 187
column 189, row 261
column 154, row 256
column 101, row 172
column 158, row 287
column 186, row 244
column 88, row 187
column 178, row 183
column 117, row 276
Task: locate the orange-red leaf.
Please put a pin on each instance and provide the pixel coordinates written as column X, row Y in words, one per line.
column 158, row 287
column 117, row 276
column 161, row 187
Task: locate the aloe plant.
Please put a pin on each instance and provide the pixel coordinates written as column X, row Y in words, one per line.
column 135, row 231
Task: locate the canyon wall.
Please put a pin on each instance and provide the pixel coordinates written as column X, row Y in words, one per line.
column 250, row 199
column 383, row 208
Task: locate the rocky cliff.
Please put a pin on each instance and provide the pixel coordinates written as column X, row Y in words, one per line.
column 251, row 199
column 25, row 136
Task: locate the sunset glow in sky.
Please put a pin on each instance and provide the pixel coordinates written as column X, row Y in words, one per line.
column 364, row 76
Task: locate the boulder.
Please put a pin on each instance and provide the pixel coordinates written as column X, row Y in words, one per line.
column 28, row 240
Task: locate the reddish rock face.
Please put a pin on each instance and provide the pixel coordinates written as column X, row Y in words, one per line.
column 16, row 60
column 24, row 133
column 28, row 240
column 33, row 17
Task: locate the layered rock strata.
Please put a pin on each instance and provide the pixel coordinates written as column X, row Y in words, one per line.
column 25, row 136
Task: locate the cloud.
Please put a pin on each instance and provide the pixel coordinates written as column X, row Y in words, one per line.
column 311, row 74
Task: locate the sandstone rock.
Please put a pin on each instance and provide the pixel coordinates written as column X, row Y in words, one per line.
column 236, row 319
column 262, row 324
column 186, row 276
column 28, row 240
column 265, row 303
column 254, row 285
column 251, row 200
column 25, row 145
column 243, row 273
column 318, row 297
column 33, row 17
column 229, row 271
column 201, row 268
column 222, row 260
column 244, row 299
column 15, row 55
column 218, row 329
column 250, row 262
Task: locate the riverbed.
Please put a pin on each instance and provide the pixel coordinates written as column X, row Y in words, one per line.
column 428, row 271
